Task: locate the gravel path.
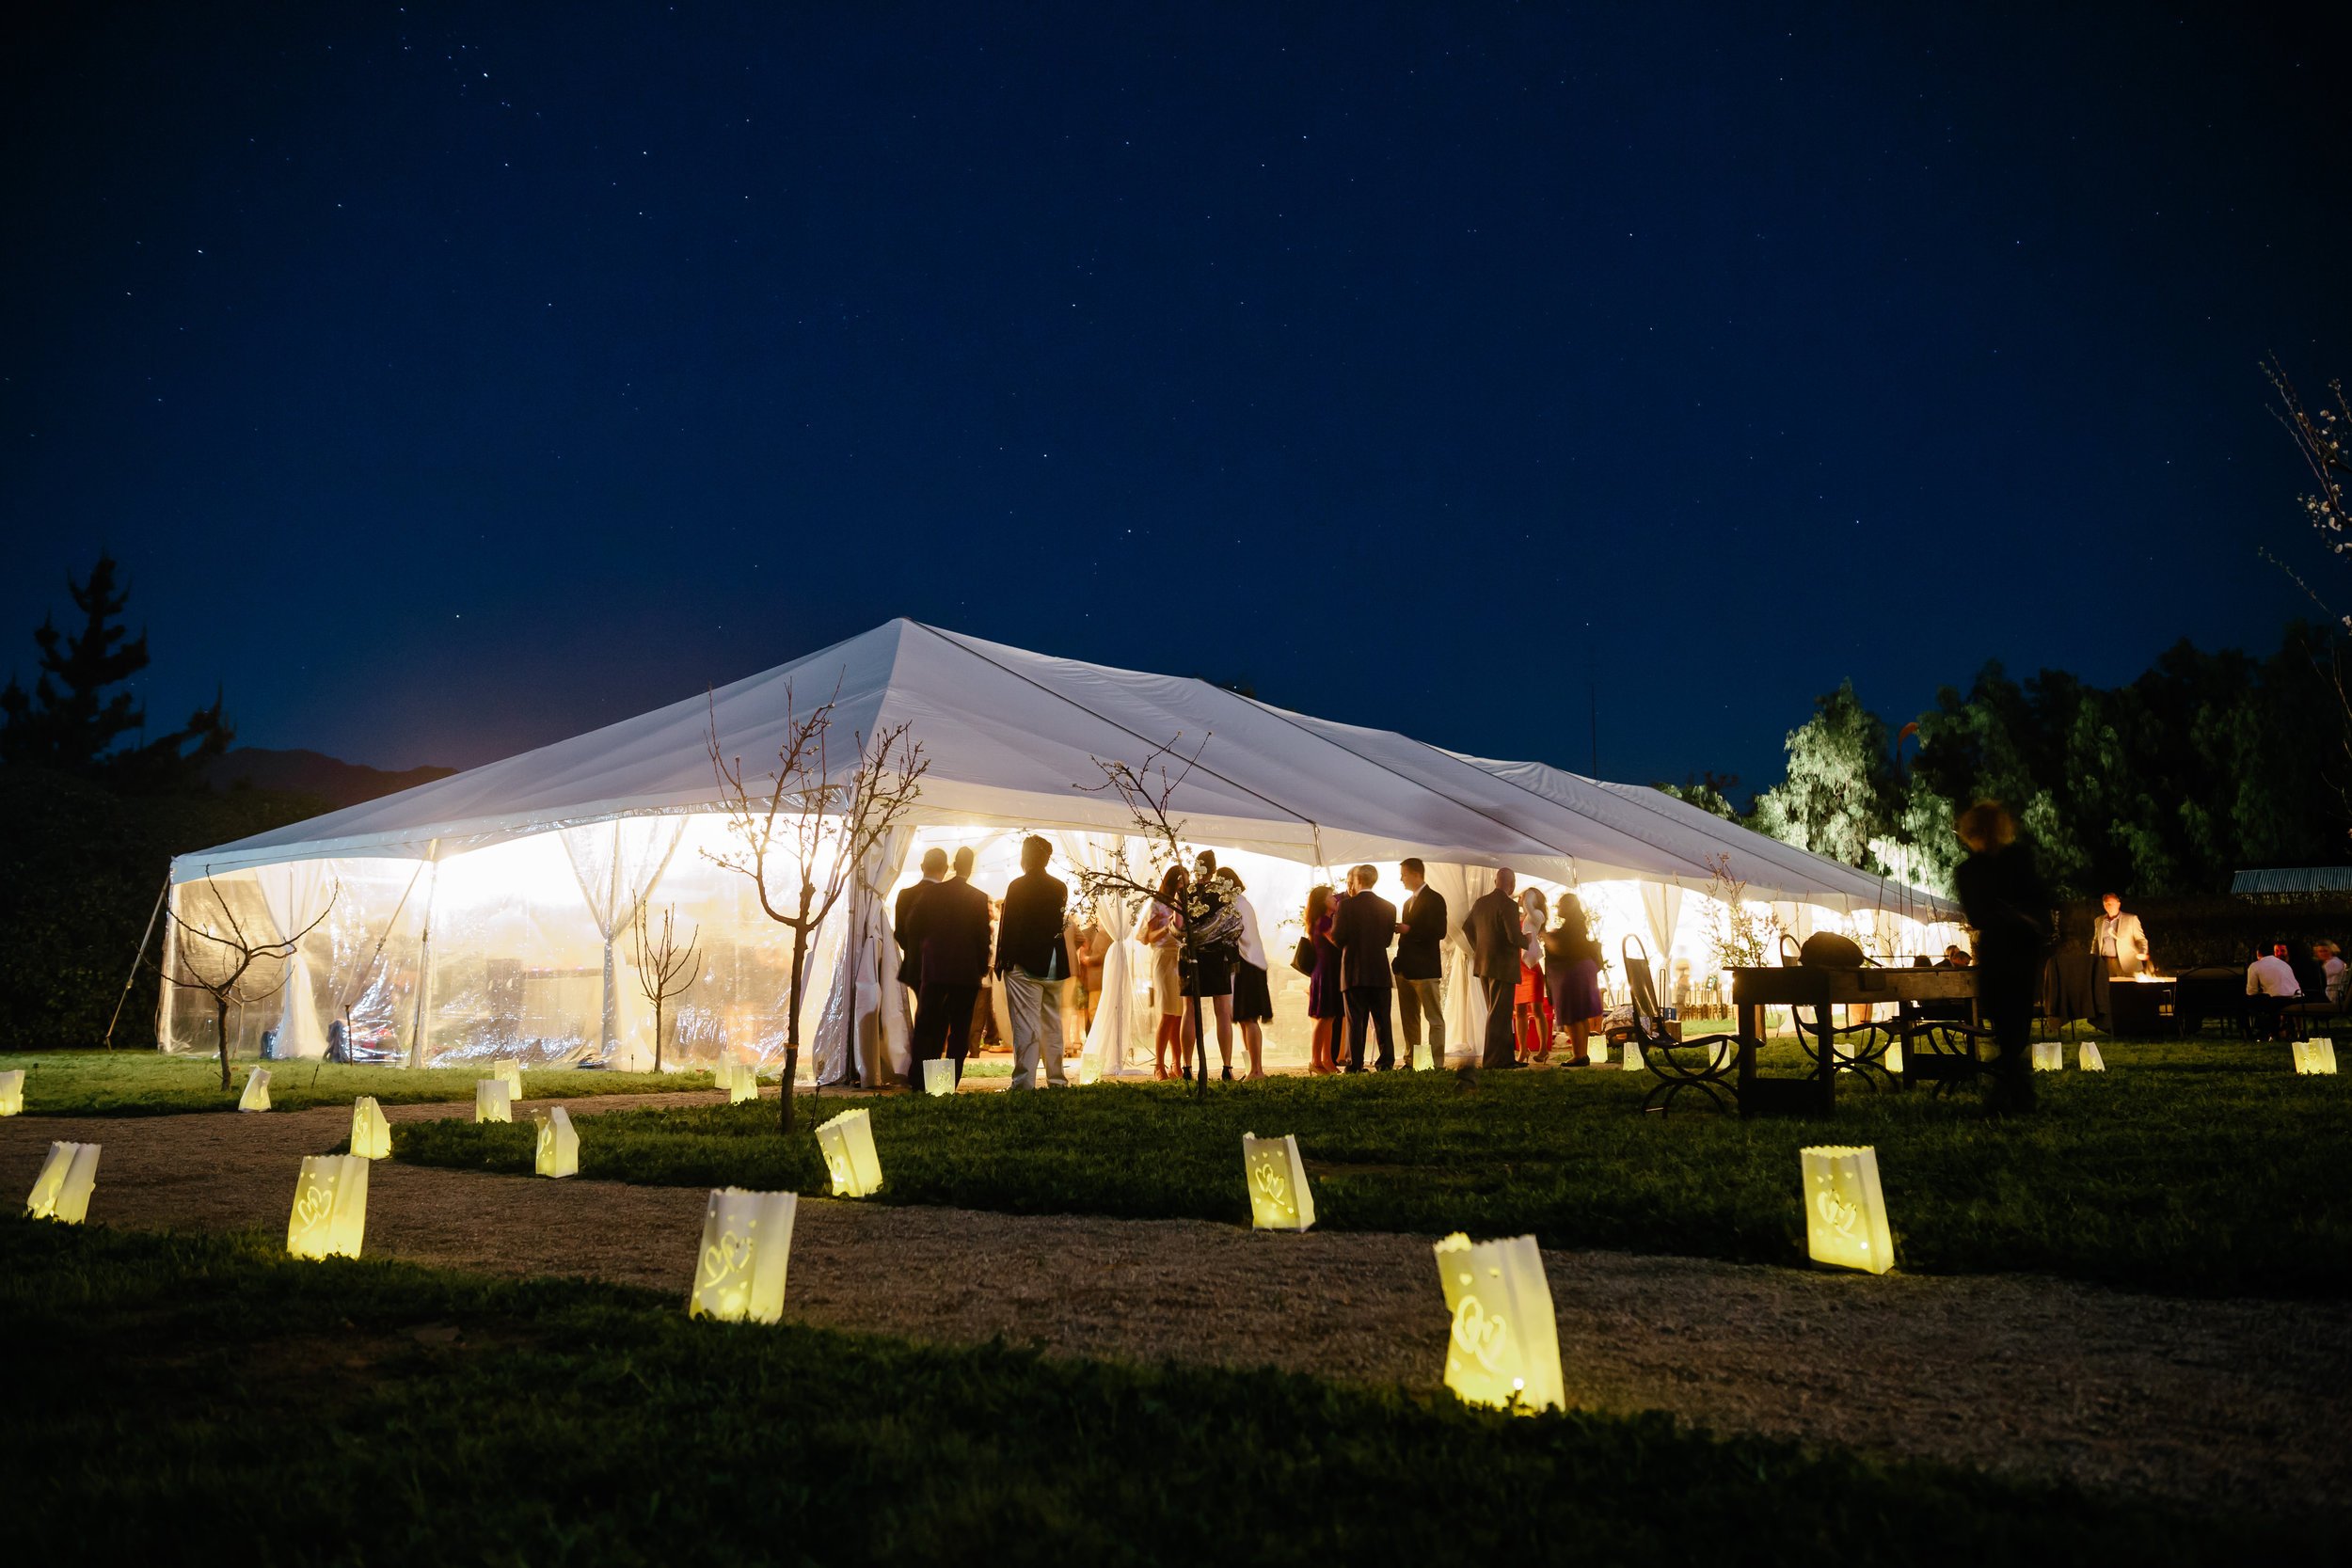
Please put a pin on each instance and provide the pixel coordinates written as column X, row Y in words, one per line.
column 2238, row 1401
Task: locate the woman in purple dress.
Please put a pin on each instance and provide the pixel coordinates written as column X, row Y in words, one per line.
column 1325, row 1004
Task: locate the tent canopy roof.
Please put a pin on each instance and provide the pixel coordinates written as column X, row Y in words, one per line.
column 1013, row 737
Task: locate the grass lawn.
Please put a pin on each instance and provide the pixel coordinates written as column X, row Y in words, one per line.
column 149, row 1083
column 208, row 1389
column 2187, row 1166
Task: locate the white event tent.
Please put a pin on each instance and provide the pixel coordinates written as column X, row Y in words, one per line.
column 490, row 913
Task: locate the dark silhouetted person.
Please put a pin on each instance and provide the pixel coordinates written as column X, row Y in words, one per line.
column 1032, row 961
column 909, row 936
column 1418, row 964
column 1365, row 926
column 1497, row 944
column 2008, row 903
column 951, row 928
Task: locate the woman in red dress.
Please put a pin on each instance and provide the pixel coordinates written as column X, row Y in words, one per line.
column 1531, row 1003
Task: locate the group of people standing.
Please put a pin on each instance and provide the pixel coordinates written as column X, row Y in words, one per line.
column 943, row 924
column 1226, row 972
column 1534, row 973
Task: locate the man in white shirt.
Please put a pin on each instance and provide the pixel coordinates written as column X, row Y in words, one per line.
column 2117, row 937
column 2270, row 985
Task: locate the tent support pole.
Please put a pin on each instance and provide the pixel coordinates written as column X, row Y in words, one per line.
column 424, row 959
column 137, row 958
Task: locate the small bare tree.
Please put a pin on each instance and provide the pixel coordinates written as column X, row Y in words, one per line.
column 799, row 834
column 1148, row 790
column 663, row 968
column 219, row 960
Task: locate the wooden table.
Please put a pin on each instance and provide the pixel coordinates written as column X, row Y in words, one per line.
column 1821, row 990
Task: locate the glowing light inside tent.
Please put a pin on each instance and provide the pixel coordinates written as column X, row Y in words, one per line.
column 1504, row 1345
column 1845, row 1211
column 1279, row 1198
column 493, row 1100
column 747, row 1241
column 331, row 1206
column 558, row 1152
column 62, row 1190
column 847, row 1143
column 370, row 1135
column 256, row 1096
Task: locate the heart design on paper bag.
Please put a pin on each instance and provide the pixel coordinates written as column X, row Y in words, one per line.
column 1837, row 1213
column 1273, row 1183
column 312, row 1204
column 723, row 1258
column 1479, row 1333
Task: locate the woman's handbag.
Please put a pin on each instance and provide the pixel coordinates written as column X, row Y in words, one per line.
column 1303, row 960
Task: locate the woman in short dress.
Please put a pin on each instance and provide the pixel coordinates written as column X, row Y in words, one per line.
column 1531, row 1005
column 1572, row 975
column 1164, row 934
column 1325, row 1004
column 1254, row 999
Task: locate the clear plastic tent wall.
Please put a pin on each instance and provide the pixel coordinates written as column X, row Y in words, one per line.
column 489, row 914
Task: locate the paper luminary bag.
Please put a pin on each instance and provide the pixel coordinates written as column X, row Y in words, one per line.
column 1423, row 1062
column 1279, row 1198
column 61, row 1191
column 1845, row 1212
column 747, row 1241
column 1632, row 1055
column 12, row 1091
column 847, row 1143
column 2089, row 1059
column 2049, row 1055
column 493, row 1100
column 370, row 1135
column 256, row 1096
column 1723, row 1054
column 559, row 1146
column 2317, row 1054
column 1504, row 1342
column 742, row 1083
column 1089, row 1068
column 331, row 1206
column 511, row 1072
column 1600, row 1052
column 939, row 1076
column 1893, row 1060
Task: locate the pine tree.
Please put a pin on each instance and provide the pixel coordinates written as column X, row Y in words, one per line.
column 74, row 718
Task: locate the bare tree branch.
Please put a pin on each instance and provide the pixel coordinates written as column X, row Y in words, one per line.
column 798, row 835
column 230, row 960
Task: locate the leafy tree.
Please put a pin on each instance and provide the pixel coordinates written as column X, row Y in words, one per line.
column 74, row 717
column 1709, row 791
column 1839, row 789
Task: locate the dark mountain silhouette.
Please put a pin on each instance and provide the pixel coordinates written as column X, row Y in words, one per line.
column 313, row 773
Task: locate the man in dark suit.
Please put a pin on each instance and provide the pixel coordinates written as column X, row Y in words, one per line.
column 1496, row 940
column 1420, row 968
column 906, row 926
column 1363, row 930
column 1032, row 961
column 951, row 921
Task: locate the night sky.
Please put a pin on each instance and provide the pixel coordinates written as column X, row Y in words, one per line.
column 451, row 383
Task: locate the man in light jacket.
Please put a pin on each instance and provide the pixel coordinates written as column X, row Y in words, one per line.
column 2118, row 938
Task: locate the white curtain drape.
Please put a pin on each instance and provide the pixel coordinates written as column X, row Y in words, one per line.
column 1662, row 906
column 1461, row 886
column 866, row 978
column 1116, row 1015
column 295, row 894
column 617, row 865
